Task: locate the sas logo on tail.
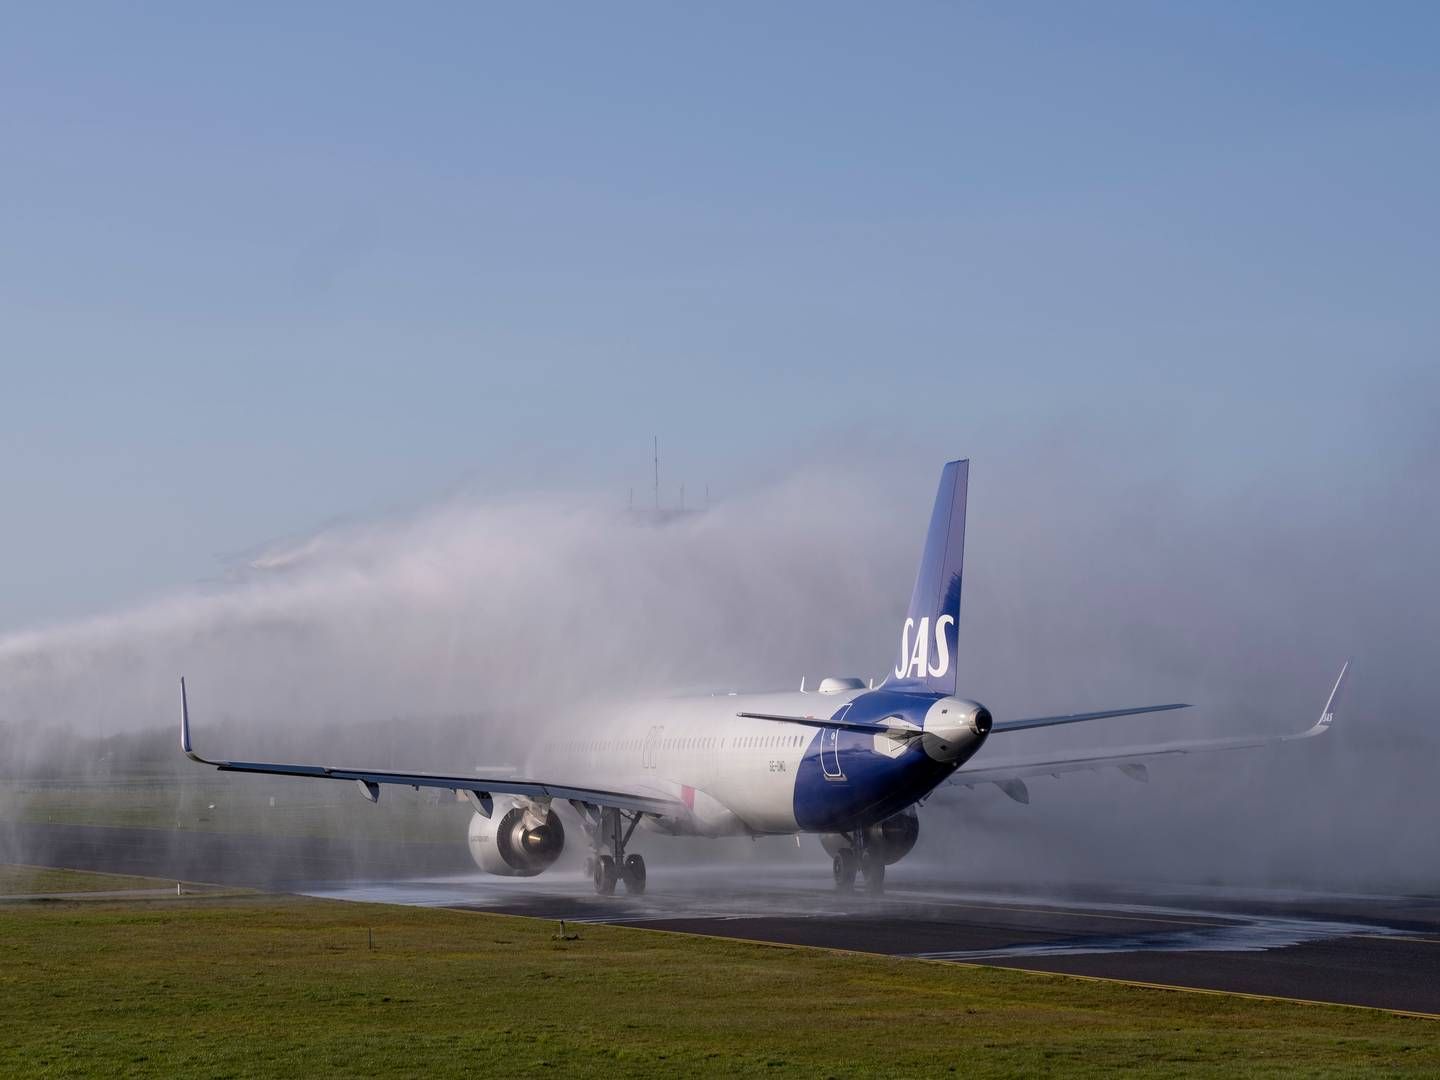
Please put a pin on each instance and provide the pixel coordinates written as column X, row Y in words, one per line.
column 918, row 664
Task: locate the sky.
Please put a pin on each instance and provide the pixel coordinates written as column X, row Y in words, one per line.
column 271, row 267
column 333, row 339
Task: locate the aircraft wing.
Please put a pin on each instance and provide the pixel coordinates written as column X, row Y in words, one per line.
column 478, row 789
column 1009, row 774
column 1079, row 717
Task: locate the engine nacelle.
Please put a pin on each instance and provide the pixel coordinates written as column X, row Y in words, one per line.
column 516, row 840
column 893, row 837
column 955, row 729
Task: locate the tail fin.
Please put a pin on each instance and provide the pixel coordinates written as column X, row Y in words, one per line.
column 928, row 637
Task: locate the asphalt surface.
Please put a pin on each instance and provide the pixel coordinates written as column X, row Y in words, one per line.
column 1380, row 951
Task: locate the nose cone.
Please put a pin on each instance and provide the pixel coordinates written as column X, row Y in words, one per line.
column 955, row 729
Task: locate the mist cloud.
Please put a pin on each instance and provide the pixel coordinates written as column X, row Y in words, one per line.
column 1093, row 579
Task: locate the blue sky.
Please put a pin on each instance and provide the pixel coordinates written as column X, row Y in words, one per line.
column 262, row 267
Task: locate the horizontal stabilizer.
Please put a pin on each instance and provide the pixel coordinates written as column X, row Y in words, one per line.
column 844, row 725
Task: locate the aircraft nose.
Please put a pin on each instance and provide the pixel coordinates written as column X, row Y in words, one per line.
column 954, row 729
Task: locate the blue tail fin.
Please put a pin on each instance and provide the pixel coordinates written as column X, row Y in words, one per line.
column 927, row 639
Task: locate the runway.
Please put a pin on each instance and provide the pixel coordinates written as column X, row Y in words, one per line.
column 1369, row 950
column 1374, row 951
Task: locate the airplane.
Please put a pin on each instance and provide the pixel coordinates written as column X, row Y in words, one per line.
column 849, row 762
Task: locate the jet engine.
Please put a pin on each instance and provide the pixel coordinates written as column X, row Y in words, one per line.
column 893, row 837
column 518, row 839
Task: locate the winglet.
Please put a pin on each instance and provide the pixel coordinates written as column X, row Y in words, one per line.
column 1327, row 714
column 185, row 728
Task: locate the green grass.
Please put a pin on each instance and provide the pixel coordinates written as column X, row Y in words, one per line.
column 240, row 805
column 275, row 986
column 29, row 880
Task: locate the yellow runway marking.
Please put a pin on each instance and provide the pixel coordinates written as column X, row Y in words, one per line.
column 1215, row 992
column 1398, row 937
column 1056, row 974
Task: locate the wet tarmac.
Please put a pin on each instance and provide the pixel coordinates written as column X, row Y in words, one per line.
column 1372, row 950
column 1376, row 951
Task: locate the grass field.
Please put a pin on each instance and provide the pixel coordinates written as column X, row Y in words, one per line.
column 277, row 986
column 241, row 805
column 29, row 880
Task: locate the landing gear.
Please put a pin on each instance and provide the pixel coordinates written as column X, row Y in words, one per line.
column 633, row 874
column 605, row 875
column 872, row 868
column 612, row 830
column 864, row 857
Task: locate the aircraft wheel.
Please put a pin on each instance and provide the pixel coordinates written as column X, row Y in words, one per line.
column 605, row 875
column 844, row 867
column 633, row 874
column 872, row 865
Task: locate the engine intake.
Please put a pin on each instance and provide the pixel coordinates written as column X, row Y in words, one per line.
column 516, row 840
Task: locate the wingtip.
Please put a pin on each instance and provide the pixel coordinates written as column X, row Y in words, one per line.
column 1327, row 714
column 185, row 721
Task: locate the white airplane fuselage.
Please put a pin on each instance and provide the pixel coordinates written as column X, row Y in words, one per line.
column 737, row 775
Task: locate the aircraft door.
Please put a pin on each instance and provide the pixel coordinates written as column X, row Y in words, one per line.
column 830, row 748
column 830, row 754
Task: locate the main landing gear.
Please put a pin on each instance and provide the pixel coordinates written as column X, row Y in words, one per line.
column 864, row 858
column 613, row 830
